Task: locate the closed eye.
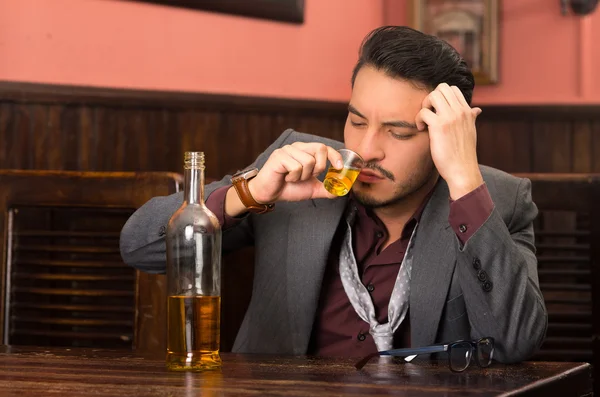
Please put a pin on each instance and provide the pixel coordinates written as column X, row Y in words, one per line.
column 403, row 137
column 355, row 124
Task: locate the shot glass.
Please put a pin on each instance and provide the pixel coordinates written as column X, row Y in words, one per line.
column 340, row 181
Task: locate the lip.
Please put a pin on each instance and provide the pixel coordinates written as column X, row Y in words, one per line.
column 368, row 176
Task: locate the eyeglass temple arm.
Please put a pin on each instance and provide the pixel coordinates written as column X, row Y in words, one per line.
column 403, row 353
column 414, row 351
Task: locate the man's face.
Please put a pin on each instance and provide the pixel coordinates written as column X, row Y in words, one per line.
column 381, row 128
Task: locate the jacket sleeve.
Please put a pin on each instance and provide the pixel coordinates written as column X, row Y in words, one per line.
column 499, row 279
column 142, row 239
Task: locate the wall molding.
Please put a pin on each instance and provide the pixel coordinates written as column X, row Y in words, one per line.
column 25, row 92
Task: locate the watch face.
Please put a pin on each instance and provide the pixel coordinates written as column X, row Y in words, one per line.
column 245, row 174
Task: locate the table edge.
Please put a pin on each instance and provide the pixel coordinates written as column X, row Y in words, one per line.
column 541, row 382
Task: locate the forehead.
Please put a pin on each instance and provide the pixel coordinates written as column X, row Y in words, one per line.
column 376, row 92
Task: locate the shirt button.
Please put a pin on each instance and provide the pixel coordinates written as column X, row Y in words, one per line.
column 370, row 288
column 361, row 337
column 462, row 228
column 379, row 234
column 476, row 264
column 162, row 231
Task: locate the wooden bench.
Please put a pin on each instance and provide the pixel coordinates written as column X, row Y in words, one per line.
column 63, row 280
column 567, row 232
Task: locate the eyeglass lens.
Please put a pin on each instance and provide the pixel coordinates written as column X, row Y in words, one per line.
column 485, row 352
column 460, row 356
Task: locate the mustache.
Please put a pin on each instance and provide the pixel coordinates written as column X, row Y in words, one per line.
column 383, row 171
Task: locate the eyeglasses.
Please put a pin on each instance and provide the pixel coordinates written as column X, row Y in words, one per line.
column 459, row 353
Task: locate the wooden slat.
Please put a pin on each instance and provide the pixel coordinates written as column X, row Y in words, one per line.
column 565, row 355
column 564, row 272
column 70, row 248
column 67, row 233
column 584, row 327
column 76, row 335
column 19, row 144
column 566, row 299
column 84, row 322
column 73, row 308
column 74, row 277
column 70, row 263
column 552, row 148
column 562, row 247
column 73, row 291
column 564, row 287
column 562, row 259
column 571, row 316
column 540, row 234
column 584, row 342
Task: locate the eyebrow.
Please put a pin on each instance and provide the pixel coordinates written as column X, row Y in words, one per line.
column 395, row 123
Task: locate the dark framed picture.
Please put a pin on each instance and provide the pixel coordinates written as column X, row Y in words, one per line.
column 470, row 26
column 291, row 11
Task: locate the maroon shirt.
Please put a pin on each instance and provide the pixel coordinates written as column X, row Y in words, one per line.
column 338, row 330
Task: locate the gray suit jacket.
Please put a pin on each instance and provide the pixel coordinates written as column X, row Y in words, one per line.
column 447, row 301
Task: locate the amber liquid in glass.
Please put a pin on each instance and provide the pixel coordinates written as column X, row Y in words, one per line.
column 194, row 326
column 339, row 182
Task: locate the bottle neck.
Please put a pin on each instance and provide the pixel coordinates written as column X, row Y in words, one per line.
column 194, row 185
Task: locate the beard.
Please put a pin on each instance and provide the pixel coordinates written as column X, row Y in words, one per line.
column 415, row 182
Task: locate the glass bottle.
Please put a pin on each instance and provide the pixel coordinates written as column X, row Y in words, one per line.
column 193, row 277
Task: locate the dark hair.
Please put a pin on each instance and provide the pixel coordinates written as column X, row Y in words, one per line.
column 406, row 53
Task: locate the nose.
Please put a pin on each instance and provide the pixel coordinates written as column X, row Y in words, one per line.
column 370, row 147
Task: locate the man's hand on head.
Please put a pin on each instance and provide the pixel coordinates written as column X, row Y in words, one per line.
column 450, row 122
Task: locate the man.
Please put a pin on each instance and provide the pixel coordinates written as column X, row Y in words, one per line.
column 428, row 247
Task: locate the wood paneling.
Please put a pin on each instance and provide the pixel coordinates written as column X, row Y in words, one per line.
column 539, row 139
column 69, row 128
column 98, row 129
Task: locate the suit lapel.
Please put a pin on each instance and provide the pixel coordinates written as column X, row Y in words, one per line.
column 433, row 264
column 311, row 231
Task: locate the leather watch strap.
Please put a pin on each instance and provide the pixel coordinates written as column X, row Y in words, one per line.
column 240, row 183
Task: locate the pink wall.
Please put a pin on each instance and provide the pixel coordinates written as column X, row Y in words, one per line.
column 117, row 43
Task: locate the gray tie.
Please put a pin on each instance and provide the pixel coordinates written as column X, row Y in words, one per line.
column 383, row 334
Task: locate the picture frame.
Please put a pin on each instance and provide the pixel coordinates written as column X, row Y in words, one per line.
column 470, row 26
column 290, row 11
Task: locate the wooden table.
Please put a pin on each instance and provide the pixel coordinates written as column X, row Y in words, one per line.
column 91, row 372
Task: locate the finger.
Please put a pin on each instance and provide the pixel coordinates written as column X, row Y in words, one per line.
column 477, row 111
column 319, row 190
column 436, row 101
column 425, row 118
column 335, row 158
column 459, row 96
column 450, row 96
column 318, row 150
column 289, row 166
column 320, row 160
column 305, row 159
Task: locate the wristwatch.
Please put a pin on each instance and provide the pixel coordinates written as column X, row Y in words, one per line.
column 240, row 182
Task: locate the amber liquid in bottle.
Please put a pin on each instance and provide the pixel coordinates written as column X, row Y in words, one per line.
column 194, row 326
